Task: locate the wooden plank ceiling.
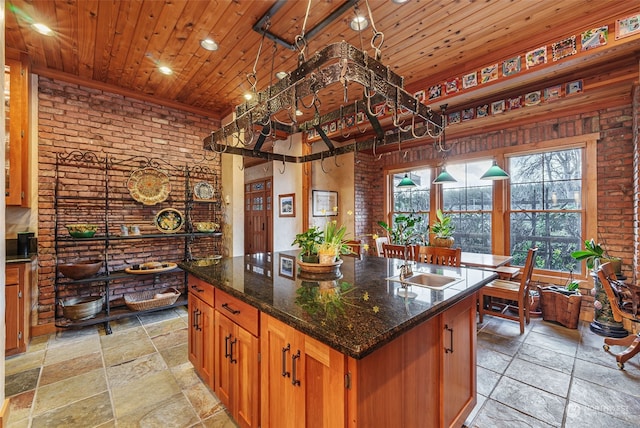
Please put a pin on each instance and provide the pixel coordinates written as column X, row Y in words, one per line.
column 119, row 44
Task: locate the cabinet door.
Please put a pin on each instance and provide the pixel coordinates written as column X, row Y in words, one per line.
column 201, row 336
column 282, row 404
column 224, row 336
column 324, row 389
column 12, row 319
column 245, row 356
column 459, row 374
column 16, row 143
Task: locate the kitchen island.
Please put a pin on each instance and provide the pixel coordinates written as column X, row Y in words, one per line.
column 356, row 350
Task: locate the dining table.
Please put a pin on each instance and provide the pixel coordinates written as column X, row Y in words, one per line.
column 483, row 260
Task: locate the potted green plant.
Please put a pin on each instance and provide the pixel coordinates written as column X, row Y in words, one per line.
column 308, row 242
column 332, row 243
column 442, row 229
column 594, row 254
column 403, row 230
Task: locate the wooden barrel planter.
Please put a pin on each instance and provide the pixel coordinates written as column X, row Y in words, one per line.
column 560, row 305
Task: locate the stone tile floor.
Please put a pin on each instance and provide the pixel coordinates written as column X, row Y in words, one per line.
column 551, row 376
column 140, row 376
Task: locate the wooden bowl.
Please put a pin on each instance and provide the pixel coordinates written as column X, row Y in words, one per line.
column 80, row 269
column 82, row 308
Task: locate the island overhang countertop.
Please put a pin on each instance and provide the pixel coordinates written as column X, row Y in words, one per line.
column 356, row 313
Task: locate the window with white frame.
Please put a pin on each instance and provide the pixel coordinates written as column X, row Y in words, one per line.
column 546, row 207
column 413, row 200
column 469, row 202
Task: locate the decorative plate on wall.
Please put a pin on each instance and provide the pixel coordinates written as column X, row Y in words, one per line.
column 149, row 186
column 169, row 220
column 203, row 190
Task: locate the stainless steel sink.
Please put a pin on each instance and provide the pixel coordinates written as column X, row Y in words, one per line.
column 430, row 280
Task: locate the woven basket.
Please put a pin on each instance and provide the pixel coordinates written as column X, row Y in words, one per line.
column 145, row 300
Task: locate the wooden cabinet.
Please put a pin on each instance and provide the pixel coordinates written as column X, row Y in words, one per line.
column 18, row 304
column 416, row 380
column 237, row 380
column 459, row 362
column 303, row 380
column 201, row 329
column 16, row 79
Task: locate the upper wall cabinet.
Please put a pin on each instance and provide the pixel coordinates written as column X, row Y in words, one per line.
column 16, row 96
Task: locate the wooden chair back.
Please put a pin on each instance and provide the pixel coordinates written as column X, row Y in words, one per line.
column 397, row 251
column 379, row 241
column 509, row 291
column 357, row 248
column 438, row 255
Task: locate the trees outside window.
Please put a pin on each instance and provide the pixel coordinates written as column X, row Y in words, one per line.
column 546, row 207
column 413, row 200
column 469, row 202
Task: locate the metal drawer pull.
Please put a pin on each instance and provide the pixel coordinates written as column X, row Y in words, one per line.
column 285, row 373
column 226, row 346
column 230, row 309
column 199, row 290
column 450, row 349
column 294, row 369
column 231, row 359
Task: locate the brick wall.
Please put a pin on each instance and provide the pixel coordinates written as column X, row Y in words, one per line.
column 73, row 117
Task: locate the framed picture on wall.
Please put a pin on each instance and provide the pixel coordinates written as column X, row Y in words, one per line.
column 287, row 205
column 287, row 267
column 324, row 203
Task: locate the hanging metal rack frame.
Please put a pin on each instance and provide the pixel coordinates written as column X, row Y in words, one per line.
column 336, row 63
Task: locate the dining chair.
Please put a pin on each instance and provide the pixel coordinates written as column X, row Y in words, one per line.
column 379, row 241
column 623, row 299
column 438, row 255
column 357, row 248
column 397, row 251
column 511, row 291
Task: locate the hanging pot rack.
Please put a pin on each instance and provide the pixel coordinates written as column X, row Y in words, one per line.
column 336, row 63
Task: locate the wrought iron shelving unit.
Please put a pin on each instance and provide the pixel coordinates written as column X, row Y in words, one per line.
column 92, row 188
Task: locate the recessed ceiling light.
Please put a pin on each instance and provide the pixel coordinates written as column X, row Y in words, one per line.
column 359, row 23
column 248, row 96
column 42, row 29
column 281, row 74
column 165, row 70
column 209, row 44
column 298, row 112
column 399, row 1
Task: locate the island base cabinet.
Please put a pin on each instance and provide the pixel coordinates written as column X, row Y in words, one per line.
column 201, row 337
column 303, row 380
column 236, row 373
column 416, row 380
column 459, row 362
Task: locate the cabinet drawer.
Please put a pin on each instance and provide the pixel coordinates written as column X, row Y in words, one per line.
column 12, row 274
column 243, row 314
column 201, row 289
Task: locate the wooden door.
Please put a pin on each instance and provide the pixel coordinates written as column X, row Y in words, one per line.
column 258, row 207
column 459, row 374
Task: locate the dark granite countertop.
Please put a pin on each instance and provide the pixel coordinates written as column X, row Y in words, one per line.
column 362, row 313
column 20, row 259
